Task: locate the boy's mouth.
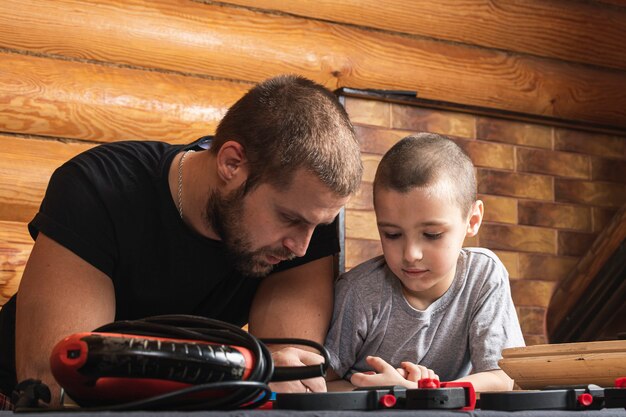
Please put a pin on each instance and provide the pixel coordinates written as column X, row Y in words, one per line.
column 414, row 271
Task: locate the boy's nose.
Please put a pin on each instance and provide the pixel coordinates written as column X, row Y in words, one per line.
column 412, row 253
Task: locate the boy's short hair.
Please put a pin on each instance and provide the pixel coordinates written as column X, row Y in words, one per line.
column 423, row 159
column 289, row 122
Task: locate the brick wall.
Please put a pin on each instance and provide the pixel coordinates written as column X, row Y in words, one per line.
column 548, row 192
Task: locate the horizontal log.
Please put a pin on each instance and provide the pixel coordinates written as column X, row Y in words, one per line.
column 52, row 97
column 15, row 247
column 237, row 43
column 567, row 31
column 25, row 168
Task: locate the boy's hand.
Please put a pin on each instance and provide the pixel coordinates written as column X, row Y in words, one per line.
column 385, row 374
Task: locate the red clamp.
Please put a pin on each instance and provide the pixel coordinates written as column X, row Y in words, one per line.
column 470, row 394
column 620, row 382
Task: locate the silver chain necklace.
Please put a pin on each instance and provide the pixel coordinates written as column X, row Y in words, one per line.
column 180, row 182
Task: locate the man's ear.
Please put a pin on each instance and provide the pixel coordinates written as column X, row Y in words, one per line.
column 232, row 166
column 475, row 218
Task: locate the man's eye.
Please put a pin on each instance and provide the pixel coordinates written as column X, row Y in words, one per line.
column 289, row 219
column 433, row 236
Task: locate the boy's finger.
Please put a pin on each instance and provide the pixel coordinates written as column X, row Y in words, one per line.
column 378, row 364
column 413, row 372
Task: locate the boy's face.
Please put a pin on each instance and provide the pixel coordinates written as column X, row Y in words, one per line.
column 422, row 232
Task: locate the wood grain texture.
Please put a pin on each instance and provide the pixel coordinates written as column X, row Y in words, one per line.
column 604, row 194
column 370, row 165
column 532, row 319
column 515, row 184
column 237, row 43
column 376, row 140
column 574, row 243
column 545, row 267
column 25, row 168
column 518, row 238
column 531, row 293
column 360, row 250
column 562, row 164
column 435, row 121
column 518, row 133
column 608, row 169
column 499, row 209
column 15, row 247
column 363, row 199
column 589, row 143
column 100, row 103
column 361, row 225
column 536, row 367
column 510, row 261
column 559, row 29
column 487, row 154
column 557, row 216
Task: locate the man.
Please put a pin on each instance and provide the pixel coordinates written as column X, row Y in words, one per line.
column 135, row 229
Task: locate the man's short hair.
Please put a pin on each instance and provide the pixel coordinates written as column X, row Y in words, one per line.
column 424, row 159
column 287, row 123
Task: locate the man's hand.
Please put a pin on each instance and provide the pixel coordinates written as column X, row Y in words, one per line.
column 292, row 356
column 385, row 374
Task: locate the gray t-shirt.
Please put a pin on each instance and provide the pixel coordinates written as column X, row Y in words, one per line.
column 464, row 330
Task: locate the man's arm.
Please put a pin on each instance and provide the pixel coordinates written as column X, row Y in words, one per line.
column 59, row 294
column 296, row 303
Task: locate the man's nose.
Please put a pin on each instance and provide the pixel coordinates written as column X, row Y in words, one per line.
column 299, row 241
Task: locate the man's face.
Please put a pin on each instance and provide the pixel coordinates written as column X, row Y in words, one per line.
column 422, row 232
column 269, row 225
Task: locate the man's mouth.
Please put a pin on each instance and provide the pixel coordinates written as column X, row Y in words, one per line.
column 273, row 260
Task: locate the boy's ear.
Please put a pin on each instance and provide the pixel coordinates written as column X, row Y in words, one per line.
column 475, row 218
column 232, row 168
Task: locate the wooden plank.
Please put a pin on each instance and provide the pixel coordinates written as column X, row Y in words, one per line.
column 15, row 247
column 560, row 29
column 78, row 100
column 567, row 349
column 25, row 168
column 535, row 367
column 236, row 43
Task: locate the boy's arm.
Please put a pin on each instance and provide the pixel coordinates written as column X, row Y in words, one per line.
column 496, row 380
column 335, row 383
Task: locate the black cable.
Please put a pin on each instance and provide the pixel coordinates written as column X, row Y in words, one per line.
column 239, row 394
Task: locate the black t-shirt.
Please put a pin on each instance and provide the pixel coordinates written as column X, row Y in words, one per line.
column 112, row 207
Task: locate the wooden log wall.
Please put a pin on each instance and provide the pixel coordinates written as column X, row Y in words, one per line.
column 75, row 73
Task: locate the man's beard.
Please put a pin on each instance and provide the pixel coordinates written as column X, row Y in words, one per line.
column 224, row 214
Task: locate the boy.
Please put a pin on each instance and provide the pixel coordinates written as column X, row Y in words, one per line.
column 427, row 307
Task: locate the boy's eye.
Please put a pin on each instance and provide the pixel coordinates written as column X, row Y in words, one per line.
column 433, row 236
column 391, row 236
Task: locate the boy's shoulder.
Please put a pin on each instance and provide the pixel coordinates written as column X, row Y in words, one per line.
column 481, row 264
column 365, row 271
column 482, row 254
